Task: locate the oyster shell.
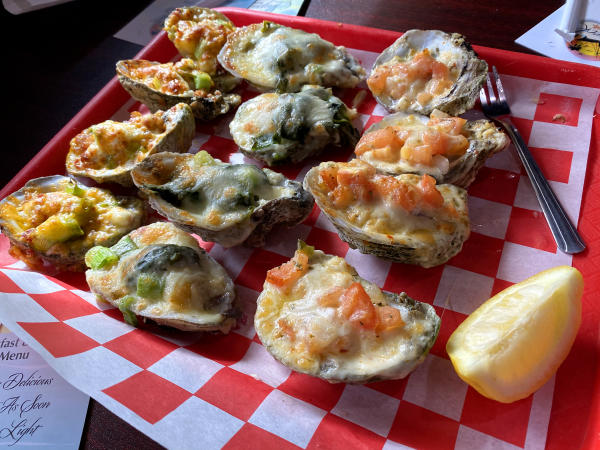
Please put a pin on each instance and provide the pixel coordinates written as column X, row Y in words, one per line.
column 426, row 70
column 53, row 221
column 279, row 128
column 226, row 203
column 159, row 272
column 107, row 152
column 404, row 218
column 275, row 57
column 161, row 86
column 450, row 149
column 327, row 321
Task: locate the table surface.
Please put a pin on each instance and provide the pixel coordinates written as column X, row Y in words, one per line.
column 66, row 56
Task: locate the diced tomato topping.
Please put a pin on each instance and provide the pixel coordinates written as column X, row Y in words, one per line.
column 328, row 177
column 384, row 137
column 331, row 298
column 389, row 318
column 341, row 196
column 288, row 273
column 429, row 194
column 356, row 306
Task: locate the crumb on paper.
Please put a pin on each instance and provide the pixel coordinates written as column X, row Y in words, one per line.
column 340, row 24
column 358, row 98
column 538, row 101
column 559, row 118
column 256, row 377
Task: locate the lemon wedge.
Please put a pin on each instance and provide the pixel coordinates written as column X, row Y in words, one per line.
column 514, row 342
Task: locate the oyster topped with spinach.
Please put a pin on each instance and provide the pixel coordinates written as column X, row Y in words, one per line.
column 159, row 272
column 163, row 85
column 275, row 57
column 106, row 152
column 229, row 204
column 279, row 128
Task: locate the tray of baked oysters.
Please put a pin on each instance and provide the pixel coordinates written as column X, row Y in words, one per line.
column 400, row 197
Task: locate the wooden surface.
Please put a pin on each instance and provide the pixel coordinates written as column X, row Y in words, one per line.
column 68, row 54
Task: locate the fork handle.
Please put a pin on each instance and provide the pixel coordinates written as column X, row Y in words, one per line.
column 565, row 234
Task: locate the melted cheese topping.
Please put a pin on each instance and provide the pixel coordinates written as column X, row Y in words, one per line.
column 198, row 292
column 199, row 33
column 274, row 56
column 410, row 144
column 110, row 144
column 418, row 78
column 305, row 325
column 60, row 222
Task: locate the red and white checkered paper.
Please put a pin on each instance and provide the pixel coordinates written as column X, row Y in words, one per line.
column 190, row 390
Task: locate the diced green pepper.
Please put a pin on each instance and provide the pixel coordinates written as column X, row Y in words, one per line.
column 125, row 307
column 305, row 248
column 99, row 257
column 123, row 246
column 73, row 188
column 202, row 80
column 149, row 285
column 203, row 158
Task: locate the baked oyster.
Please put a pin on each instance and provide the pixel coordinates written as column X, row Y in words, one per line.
column 450, row 149
column 159, row 272
column 280, row 128
column 229, row 204
column 199, row 34
column 163, row 85
column 318, row 316
column 107, row 152
column 406, row 218
column 426, row 70
column 53, row 221
column 275, row 57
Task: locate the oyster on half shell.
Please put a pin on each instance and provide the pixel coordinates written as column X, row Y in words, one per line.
column 426, row 70
column 317, row 316
column 275, row 57
column 107, row 152
column 450, row 149
column 279, row 128
column 159, row 272
column 53, row 221
column 406, row 218
column 163, row 85
column 229, row 204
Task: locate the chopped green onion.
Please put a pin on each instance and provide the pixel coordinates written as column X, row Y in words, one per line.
column 203, row 158
column 125, row 307
column 305, row 248
column 150, row 286
column 73, row 188
column 202, row 80
column 123, row 246
column 99, row 257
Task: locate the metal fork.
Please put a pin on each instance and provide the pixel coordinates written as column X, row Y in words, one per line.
column 497, row 109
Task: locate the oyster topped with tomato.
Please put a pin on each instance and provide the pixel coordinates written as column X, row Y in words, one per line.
column 53, row 221
column 107, row 152
column 450, row 149
column 159, row 272
column 317, row 316
column 279, row 128
column 426, row 70
column 276, row 57
column 225, row 203
column 163, row 85
column 407, row 218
